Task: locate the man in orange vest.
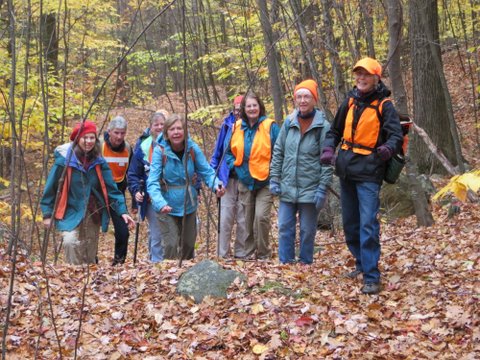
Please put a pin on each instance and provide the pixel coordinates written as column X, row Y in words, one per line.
column 368, row 130
column 117, row 152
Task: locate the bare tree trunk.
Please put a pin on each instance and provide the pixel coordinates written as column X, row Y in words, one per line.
column 339, row 82
column 312, row 63
column 48, row 27
column 431, row 100
column 353, row 48
column 272, row 60
column 395, row 21
column 367, row 19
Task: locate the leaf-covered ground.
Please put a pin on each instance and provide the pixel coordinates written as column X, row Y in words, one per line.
column 429, row 307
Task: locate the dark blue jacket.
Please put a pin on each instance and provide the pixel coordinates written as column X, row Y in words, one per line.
column 218, row 161
column 138, row 171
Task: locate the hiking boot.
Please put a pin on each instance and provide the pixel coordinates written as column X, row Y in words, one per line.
column 352, row 274
column 118, row 261
column 371, row 288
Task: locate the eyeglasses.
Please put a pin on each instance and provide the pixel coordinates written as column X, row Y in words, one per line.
column 303, row 97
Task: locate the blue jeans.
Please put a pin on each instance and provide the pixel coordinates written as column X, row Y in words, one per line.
column 287, row 218
column 155, row 245
column 360, row 205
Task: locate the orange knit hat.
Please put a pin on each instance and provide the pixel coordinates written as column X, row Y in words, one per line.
column 371, row 65
column 310, row 85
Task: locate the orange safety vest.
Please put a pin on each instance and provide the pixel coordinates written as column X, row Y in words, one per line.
column 62, row 201
column 261, row 152
column 118, row 161
column 362, row 137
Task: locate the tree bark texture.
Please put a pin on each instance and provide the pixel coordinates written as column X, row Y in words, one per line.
column 340, row 86
column 272, row 60
column 395, row 20
column 429, row 98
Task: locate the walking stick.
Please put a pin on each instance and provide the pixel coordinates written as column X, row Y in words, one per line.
column 137, row 226
column 219, row 204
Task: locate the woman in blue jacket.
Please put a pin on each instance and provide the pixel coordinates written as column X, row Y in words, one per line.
column 137, row 181
column 86, row 194
column 171, row 189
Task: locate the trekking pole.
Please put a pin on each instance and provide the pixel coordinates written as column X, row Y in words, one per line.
column 219, row 204
column 137, row 225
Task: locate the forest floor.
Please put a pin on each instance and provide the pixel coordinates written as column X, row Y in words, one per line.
column 428, row 308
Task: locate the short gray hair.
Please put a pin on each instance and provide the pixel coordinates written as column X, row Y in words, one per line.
column 118, row 122
column 159, row 114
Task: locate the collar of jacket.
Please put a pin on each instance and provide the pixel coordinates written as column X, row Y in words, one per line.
column 168, row 149
column 318, row 120
column 230, row 120
column 246, row 125
column 380, row 92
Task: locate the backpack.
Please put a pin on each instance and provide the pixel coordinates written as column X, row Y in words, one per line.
column 397, row 162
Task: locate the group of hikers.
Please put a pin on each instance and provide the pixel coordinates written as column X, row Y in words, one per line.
column 254, row 160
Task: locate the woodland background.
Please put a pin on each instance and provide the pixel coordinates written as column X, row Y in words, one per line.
column 64, row 61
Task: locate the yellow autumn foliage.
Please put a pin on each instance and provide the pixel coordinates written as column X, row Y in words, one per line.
column 459, row 186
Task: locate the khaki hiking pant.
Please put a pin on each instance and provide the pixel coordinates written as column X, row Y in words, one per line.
column 257, row 205
column 231, row 211
column 171, row 229
column 81, row 244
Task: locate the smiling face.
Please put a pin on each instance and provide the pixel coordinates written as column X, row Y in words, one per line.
column 304, row 101
column 176, row 135
column 252, row 109
column 156, row 127
column 87, row 142
column 365, row 81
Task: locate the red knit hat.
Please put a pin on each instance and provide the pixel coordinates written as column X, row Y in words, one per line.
column 310, row 85
column 86, row 128
column 238, row 100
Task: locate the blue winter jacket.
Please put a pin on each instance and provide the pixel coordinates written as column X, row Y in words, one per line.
column 173, row 173
column 218, row 161
column 138, row 171
column 83, row 184
column 242, row 171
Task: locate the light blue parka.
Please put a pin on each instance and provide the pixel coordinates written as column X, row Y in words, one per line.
column 172, row 171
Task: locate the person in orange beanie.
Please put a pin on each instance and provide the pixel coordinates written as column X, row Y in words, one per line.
column 366, row 142
column 297, row 176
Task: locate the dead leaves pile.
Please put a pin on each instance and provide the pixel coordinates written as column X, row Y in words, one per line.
column 429, row 307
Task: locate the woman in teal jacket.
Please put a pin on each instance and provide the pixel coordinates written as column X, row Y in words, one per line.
column 168, row 185
column 88, row 192
column 297, row 175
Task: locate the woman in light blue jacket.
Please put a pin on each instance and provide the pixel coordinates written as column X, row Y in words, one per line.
column 297, row 175
column 171, row 189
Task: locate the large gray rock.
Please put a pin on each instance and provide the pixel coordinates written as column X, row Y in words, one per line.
column 396, row 199
column 207, row 278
